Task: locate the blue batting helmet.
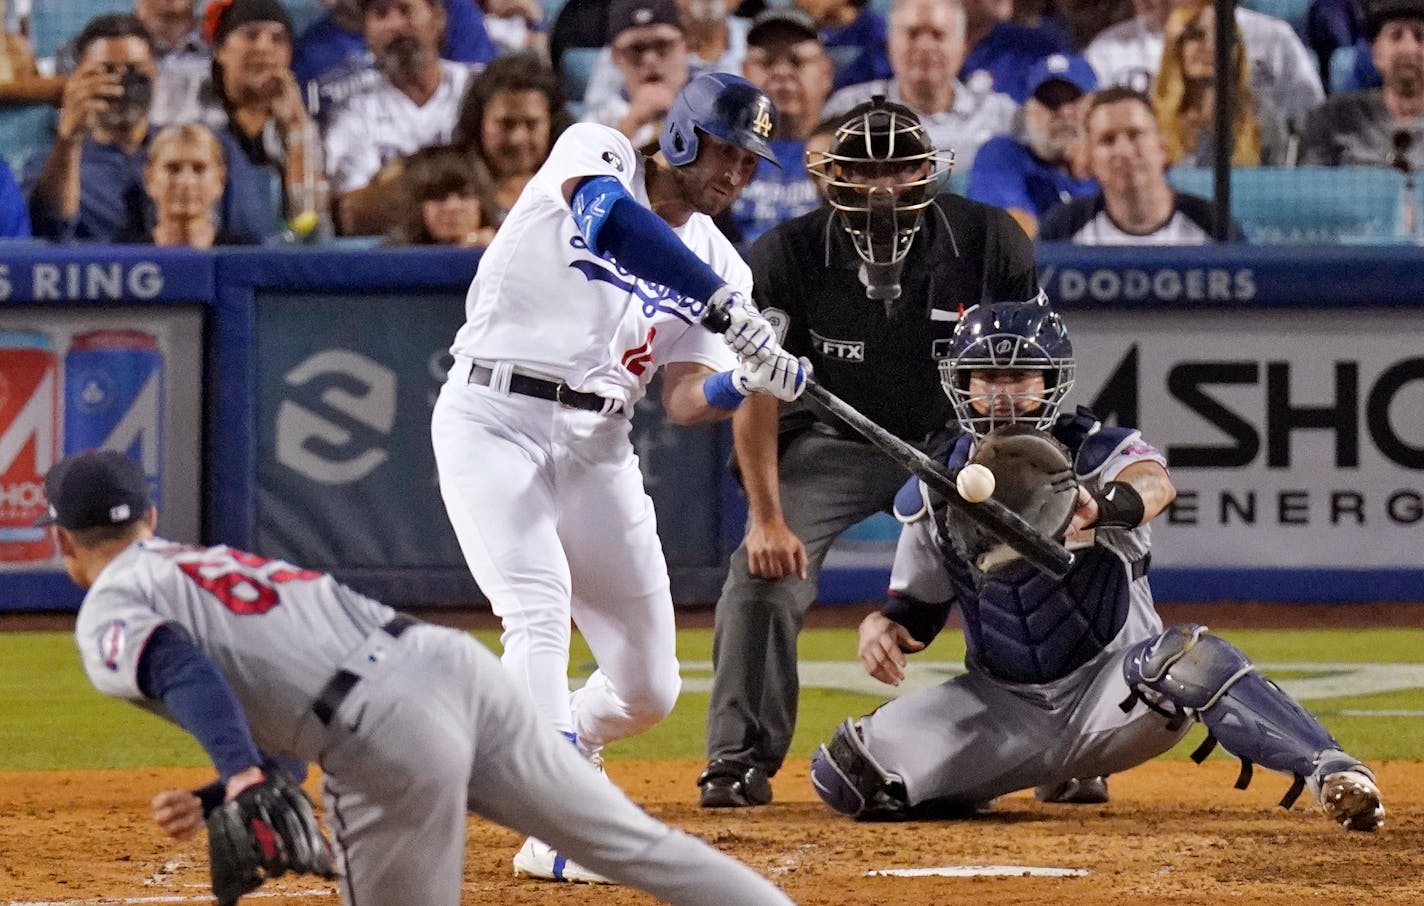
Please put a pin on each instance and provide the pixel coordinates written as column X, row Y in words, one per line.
column 722, row 105
column 1008, row 336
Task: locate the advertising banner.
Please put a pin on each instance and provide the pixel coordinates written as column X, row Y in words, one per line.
column 1295, row 439
column 346, row 472
column 73, row 379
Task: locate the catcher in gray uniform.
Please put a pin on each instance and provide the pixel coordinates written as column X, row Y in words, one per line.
column 412, row 724
column 1066, row 678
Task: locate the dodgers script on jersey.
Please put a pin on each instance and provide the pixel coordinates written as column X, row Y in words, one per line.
column 265, row 623
column 545, row 300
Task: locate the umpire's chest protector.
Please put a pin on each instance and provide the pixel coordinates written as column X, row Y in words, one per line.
column 882, row 358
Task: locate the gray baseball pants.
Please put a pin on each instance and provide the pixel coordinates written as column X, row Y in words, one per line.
column 828, row 484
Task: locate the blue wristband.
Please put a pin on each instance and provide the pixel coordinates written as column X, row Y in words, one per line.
column 719, row 391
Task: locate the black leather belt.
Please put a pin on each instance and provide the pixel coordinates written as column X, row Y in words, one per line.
column 341, row 684
column 555, row 391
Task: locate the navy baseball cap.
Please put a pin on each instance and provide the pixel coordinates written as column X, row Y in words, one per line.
column 1378, row 13
column 782, row 23
column 626, row 14
column 95, row 488
column 1061, row 67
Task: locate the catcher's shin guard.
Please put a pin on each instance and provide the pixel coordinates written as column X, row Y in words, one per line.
column 849, row 779
column 1186, row 672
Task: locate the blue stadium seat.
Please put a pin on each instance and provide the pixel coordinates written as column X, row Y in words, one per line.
column 53, row 22
column 551, row 9
column 26, row 130
column 303, row 13
column 575, row 68
column 1342, row 69
column 1294, row 205
column 1293, row 11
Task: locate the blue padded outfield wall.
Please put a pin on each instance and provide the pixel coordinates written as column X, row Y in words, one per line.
column 1286, row 387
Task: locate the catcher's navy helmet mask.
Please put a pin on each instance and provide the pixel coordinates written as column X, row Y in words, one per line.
column 722, row 105
column 1017, row 336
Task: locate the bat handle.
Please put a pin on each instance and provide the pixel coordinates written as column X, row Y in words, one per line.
column 717, row 318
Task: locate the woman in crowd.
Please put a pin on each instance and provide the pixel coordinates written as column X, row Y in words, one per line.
column 1184, row 96
column 448, row 200
column 184, row 177
column 510, row 117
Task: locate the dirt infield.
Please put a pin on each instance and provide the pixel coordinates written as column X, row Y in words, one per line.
column 1174, row 833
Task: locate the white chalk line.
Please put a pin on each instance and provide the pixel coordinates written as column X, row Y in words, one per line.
column 168, row 898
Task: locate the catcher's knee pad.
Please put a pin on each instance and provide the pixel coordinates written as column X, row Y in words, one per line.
column 849, row 779
column 1203, row 676
column 1185, row 665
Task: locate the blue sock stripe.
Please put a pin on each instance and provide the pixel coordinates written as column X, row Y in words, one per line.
column 559, row 863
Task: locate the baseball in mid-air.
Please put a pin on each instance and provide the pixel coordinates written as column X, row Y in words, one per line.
column 975, row 483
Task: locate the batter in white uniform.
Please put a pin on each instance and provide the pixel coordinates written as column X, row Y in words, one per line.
column 597, row 279
column 412, row 724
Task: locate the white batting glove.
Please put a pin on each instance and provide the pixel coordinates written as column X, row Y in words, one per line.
column 781, row 375
column 749, row 334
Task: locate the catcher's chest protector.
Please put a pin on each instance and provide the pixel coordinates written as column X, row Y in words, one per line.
column 1020, row 624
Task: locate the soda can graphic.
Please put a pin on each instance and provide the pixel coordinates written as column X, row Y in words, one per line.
column 113, row 398
column 29, row 414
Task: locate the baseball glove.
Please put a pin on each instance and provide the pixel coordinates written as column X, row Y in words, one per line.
column 264, row 832
column 1032, row 477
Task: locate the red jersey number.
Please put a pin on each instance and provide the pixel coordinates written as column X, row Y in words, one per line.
column 243, row 582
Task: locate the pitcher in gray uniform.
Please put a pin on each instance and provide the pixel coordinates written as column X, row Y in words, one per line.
column 1066, row 678
column 412, row 724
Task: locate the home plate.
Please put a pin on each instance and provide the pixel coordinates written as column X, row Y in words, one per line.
column 979, row 871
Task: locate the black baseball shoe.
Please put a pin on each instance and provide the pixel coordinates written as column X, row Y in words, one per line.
column 730, row 784
column 1078, row 791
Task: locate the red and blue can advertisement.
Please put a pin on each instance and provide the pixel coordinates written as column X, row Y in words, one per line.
column 113, row 398
column 29, row 397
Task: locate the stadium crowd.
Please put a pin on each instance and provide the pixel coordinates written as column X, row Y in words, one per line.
column 420, row 121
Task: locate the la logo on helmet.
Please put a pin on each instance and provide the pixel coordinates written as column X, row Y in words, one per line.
column 761, row 123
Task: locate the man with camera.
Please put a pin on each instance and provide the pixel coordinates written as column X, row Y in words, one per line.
column 90, row 187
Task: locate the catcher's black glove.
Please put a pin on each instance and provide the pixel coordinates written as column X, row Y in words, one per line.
column 264, row 832
column 1033, row 477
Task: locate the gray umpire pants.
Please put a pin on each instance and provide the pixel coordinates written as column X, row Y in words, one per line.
column 828, row 484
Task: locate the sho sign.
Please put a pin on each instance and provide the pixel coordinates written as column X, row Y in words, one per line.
column 1294, row 438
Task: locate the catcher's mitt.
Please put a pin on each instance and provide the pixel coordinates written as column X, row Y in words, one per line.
column 264, row 832
column 1033, row 477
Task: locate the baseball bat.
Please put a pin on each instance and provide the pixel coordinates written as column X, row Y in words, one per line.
column 1043, row 552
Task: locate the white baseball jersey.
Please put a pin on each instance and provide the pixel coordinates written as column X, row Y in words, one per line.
column 380, row 123
column 266, row 624
column 546, row 302
column 1282, row 69
column 978, row 114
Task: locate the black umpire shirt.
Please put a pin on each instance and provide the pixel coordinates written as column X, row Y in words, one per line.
column 881, row 359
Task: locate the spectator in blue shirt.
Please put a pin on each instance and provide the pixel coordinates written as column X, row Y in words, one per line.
column 14, row 216
column 1003, row 50
column 90, row 186
column 786, row 60
column 1032, row 175
column 854, row 36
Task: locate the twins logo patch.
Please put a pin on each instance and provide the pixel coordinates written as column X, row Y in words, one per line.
column 613, row 161
column 845, row 350
column 112, row 642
